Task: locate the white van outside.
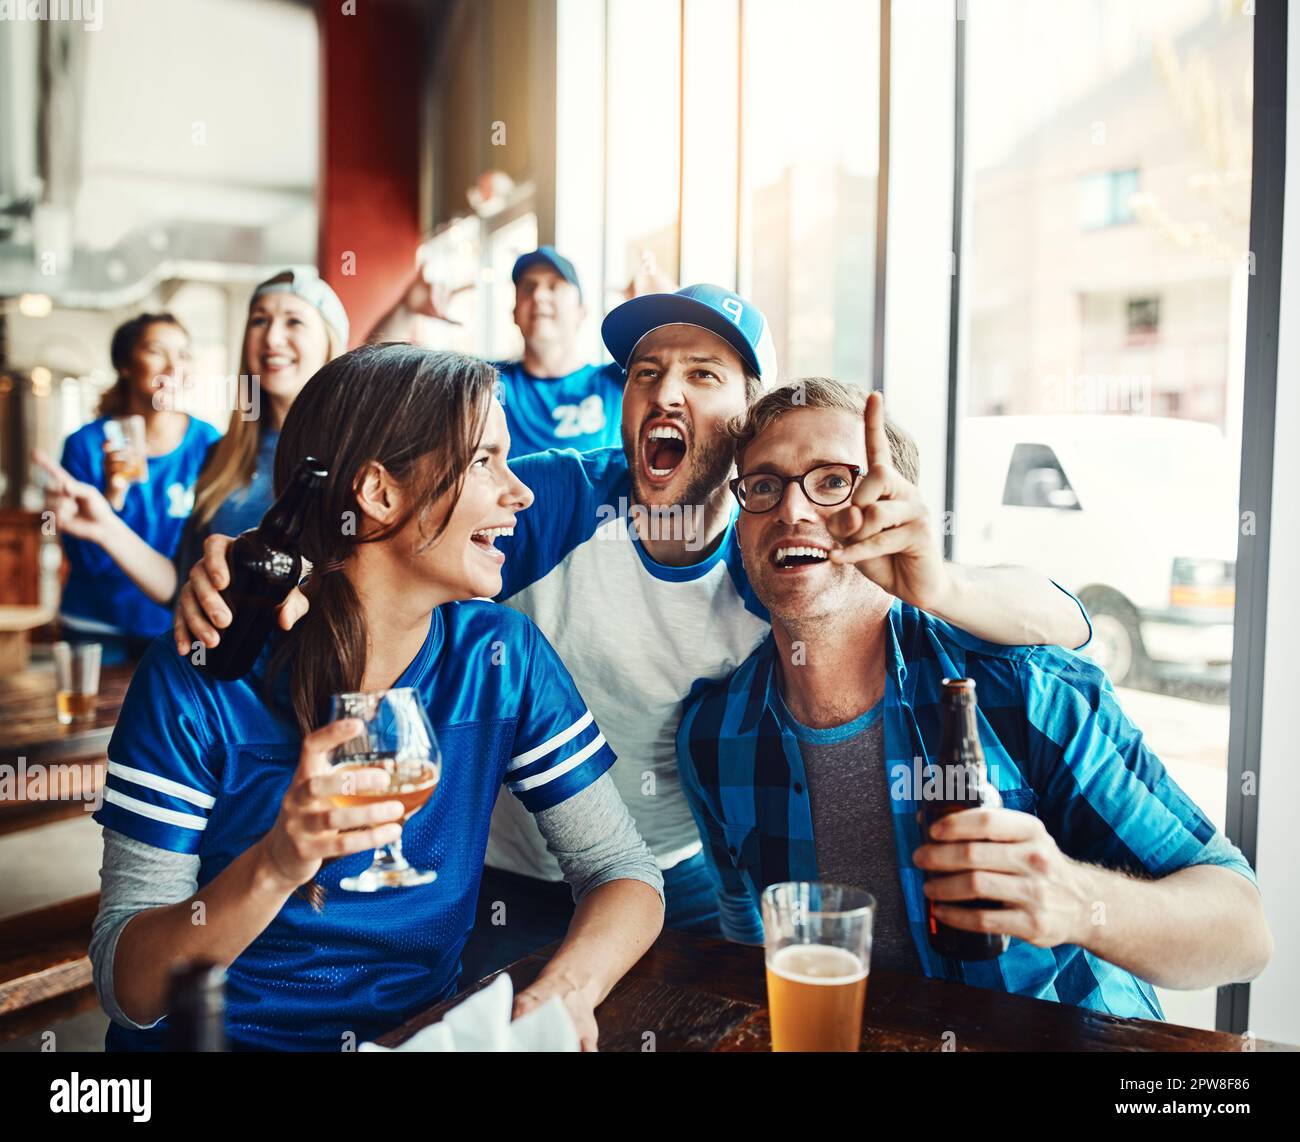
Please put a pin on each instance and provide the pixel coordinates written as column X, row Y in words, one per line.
column 1136, row 515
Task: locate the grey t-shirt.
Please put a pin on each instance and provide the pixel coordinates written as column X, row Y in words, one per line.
column 852, row 823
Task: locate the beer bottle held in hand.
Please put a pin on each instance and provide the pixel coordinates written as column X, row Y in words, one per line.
column 196, row 1007
column 965, row 785
column 265, row 566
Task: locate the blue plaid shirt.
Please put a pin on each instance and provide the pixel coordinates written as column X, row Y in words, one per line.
column 1056, row 743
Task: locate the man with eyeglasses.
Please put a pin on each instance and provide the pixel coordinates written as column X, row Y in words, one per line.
column 806, row 764
column 628, row 563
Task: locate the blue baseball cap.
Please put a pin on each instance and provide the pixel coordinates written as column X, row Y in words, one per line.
column 546, row 256
column 738, row 322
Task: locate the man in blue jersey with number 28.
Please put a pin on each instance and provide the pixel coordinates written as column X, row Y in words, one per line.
column 551, row 396
column 628, row 563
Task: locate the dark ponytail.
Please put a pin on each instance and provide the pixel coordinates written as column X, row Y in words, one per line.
column 420, row 414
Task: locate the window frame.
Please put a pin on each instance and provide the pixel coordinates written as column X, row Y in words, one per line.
column 1268, row 178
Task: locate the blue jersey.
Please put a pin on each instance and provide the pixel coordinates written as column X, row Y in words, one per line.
column 638, row 636
column 201, row 766
column 583, row 410
column 99, row 597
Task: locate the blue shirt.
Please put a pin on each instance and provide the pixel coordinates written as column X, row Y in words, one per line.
column 638, row 637
column 201, row 766
column 583, row 410
column 1056, row 743
column 99, row 597
column 245, row 507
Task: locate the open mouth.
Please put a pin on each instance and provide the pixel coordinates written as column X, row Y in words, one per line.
column 273, row 362
column 664, row 449
column 485, row 541
column 791, row 558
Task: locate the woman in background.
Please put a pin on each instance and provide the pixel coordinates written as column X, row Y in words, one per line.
column 296, row 324
column 101, row 603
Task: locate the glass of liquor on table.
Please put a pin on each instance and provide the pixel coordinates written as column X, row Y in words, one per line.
column 76, row 670
column 817, row 939
column 397, row 737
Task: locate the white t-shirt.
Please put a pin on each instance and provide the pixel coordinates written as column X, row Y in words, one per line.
column 637, row 637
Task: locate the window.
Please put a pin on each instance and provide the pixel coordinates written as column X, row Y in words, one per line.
column 745, row 153
column 1143, row 318
column 811, row 160
column 642, row 204
column 1103, row 342
column 1037, row 480
column 1106, row 198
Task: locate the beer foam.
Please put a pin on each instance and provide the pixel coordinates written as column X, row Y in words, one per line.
column 818, row 963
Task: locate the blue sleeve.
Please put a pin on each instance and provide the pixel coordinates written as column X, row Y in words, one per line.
column 574, row 493
column 161, row 782
column 1103, row 795
column 738, row 912
column 558, row 748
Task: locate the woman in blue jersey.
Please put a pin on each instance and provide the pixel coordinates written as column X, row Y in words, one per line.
column 295, row 324
column 216, row 802
column 101, row 603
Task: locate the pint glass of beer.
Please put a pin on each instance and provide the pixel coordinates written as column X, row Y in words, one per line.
column 76, row 671
column 818, row 944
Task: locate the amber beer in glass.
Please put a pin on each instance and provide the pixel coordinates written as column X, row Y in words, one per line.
column 125, row 451
column 396, row 737
column 964, row 784
column 818, row 946
column 76, row 671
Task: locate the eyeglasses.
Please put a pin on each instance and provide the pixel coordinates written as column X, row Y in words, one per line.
column 827, row 485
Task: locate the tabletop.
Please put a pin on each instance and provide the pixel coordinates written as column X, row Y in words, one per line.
column 691, row 993
column 30, row 729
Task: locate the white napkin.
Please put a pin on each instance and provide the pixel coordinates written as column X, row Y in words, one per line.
column 482, row 1023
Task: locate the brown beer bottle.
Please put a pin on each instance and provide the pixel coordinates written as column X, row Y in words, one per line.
column 965, row 785
column 196, row 1007
column 264, row 567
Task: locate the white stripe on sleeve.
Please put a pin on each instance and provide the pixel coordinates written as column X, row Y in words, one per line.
column 156, row 812
column 162, row 785
column 558, row 770
column 551, row 743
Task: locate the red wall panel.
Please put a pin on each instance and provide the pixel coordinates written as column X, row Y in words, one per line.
column 372, row 65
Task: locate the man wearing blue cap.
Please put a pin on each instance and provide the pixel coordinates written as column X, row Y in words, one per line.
column 551, row 396
column 628, row 562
